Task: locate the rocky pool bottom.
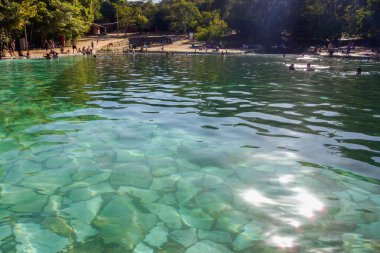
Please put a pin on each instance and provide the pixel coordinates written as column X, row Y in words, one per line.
column 122, row 154
column 175, row 194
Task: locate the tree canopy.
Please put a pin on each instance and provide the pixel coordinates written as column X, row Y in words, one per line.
column 266, row 22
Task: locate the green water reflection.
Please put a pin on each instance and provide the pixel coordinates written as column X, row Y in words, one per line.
column 189, row 154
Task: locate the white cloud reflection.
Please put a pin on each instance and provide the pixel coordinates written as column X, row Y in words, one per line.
column 308, row 204
column 286, row 179
column 283, row 241
column 256, row 198
column 300, row 206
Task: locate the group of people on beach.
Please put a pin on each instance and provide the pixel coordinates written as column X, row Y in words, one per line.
column 8, row 50
column 346, row 51
column 89, row 50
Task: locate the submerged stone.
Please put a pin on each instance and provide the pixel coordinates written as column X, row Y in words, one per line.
column 359, row 196
column 215, row 236
column 47, row 181
column 162, row 166
column 56, row 162
column 90, row 192
column 208, row 247
column 104, row 159
column 87, row 168
column 167, row 183
column 232, row 221
column 376, row 199
column 20, row 170
column 158, row 151
column 5, row 231
column 22, row 199
column 343, row 195
column 242, row 242
column 58, row 226
column 82, row 230
column 252, row 232
column 216, row 201
column 167, row 214
column 93, row 245
column 186, row 190
column 32, row 238
column 84, row 211
column 145, row 196
column 371, row 230
column 216, row 171
column 185, row 165
column 251, row 176
column 121, row 222
column 142, row 248
column 91, row 179
column 212, row 180
column 132, row 175
column 125, row 155
column 184, row 237
column 4, row 214
column 54, row 204
column 195, row 217
column 157, row 236
column 168, row 199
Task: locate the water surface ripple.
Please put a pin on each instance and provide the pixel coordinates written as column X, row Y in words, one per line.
column 152, row 153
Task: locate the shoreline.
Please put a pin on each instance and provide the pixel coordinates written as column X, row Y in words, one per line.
column 118, row 44
column 101, row 51
column 173, row 52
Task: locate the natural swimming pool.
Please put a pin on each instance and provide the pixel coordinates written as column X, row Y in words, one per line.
column 150, row 153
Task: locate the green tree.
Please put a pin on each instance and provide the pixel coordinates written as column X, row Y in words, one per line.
column 140, row 20
column 214, row 30
column 183, row 15
column 372, row 21
column 125, row 17
column 69, row 18
column 262, row 21
column 14, row 15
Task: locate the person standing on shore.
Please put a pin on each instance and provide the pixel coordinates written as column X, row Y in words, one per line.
column 330, row 49
column 74, row 46
column 12, row 48
column 46, row 45
column 52, row 45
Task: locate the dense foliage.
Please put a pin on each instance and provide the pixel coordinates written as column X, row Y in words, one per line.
column 45, row 19
column 266, row 22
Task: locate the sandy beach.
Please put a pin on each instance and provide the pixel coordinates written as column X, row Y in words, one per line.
column 99, row 43
column 184, row 46
column 181, row 45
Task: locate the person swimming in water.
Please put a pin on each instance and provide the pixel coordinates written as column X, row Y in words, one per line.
column 291, row 67
column 309, row 68
column 358, row 71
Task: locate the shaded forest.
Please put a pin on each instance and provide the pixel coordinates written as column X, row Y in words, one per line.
column 266, row 22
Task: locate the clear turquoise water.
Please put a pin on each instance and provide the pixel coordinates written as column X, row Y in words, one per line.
column 189, row 154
